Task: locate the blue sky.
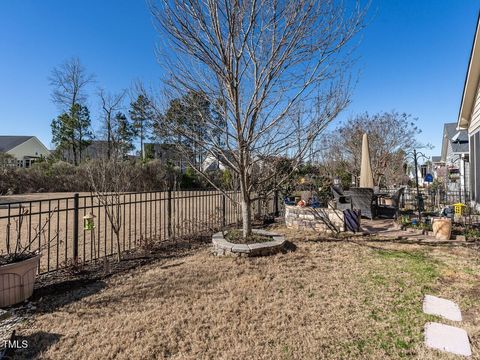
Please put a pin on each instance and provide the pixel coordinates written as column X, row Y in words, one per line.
column 412, row 58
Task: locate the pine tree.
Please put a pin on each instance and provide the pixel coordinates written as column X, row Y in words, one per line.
column 71, row 131
column 142, row 115
column 123, row 134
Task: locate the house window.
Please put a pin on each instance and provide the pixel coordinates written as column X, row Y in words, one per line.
column 29, row 162
column 423, row 171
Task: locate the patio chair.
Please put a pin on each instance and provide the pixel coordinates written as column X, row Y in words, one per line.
column 363, row 199
column 391, row 211
column 343, row 202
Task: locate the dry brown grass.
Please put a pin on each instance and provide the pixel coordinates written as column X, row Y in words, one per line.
column 326, row 300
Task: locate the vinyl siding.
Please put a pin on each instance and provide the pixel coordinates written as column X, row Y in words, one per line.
column 30, row 148
column 475, row 120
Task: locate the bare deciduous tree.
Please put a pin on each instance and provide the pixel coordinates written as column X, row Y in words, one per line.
column 69, row 82
column 256, row 62
column 390, row 135
column 110, row 179
column 110, row 103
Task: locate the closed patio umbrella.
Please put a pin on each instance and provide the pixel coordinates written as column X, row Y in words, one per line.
column 366, row 176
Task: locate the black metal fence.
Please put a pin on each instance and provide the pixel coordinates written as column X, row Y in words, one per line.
column 84, row 228
column 431, row 198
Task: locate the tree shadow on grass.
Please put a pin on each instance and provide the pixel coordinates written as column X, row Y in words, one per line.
column 437, row 243
column 51, row 297
column 63, row 287
column 31, row 346
column 376, row 242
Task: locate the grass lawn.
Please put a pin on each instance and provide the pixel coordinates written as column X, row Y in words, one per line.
column 325, row 300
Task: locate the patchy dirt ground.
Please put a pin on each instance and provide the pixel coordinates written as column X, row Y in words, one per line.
column 327, row 299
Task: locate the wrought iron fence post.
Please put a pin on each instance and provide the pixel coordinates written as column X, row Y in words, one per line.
column 75, row 226
column 224, row 210
column 169, row 212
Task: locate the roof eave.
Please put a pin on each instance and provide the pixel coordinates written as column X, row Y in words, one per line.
column 471, row 82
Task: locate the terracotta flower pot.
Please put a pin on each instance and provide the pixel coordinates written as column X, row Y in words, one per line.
column 442, row 228
column 17, row 280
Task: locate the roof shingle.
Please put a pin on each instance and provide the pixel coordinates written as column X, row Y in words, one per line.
column 8, row 142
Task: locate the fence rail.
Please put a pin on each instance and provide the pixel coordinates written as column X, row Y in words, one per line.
column 431, row 198
column 56, row 226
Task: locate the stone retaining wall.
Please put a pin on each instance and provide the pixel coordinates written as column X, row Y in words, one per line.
column 307, row 218
column 222, row 247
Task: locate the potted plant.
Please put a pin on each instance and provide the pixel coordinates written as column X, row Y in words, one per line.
column 442, row 228
column 18, row 267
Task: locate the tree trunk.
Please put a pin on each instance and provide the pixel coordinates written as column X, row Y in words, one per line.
column 119, row 249
column 246, row 207
column 141, row 142
column 80, row 145
column 246, row 216
column 74, row 150
column 109, row 137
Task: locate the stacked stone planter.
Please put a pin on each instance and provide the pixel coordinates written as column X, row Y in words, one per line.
column 222, row 247
column 307, row 218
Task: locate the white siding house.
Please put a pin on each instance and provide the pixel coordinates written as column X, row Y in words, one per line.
column 469, row 116
column 25, row 150
column 455, row 156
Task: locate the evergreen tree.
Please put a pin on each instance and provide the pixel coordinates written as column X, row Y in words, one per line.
column 71, row 131
column 124, row 134
column 142, row 115
column 83, row 128
column 196, row 120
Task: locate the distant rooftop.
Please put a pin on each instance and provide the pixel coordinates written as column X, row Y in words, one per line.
column 8, row 142
column 458, row 138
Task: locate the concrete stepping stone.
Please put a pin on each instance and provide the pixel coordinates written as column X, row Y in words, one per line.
column 442, row 307
column 447, row 338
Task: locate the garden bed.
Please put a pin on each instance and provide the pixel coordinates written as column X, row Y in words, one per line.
column 262, row 242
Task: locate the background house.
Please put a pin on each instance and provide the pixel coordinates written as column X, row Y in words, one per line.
column 167, row 153
column 455, row 156
column 97, row 149
column 469, row 117
column 439, row 168
column 25, row 150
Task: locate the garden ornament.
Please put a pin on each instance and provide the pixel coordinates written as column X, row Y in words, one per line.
column 89, row 221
